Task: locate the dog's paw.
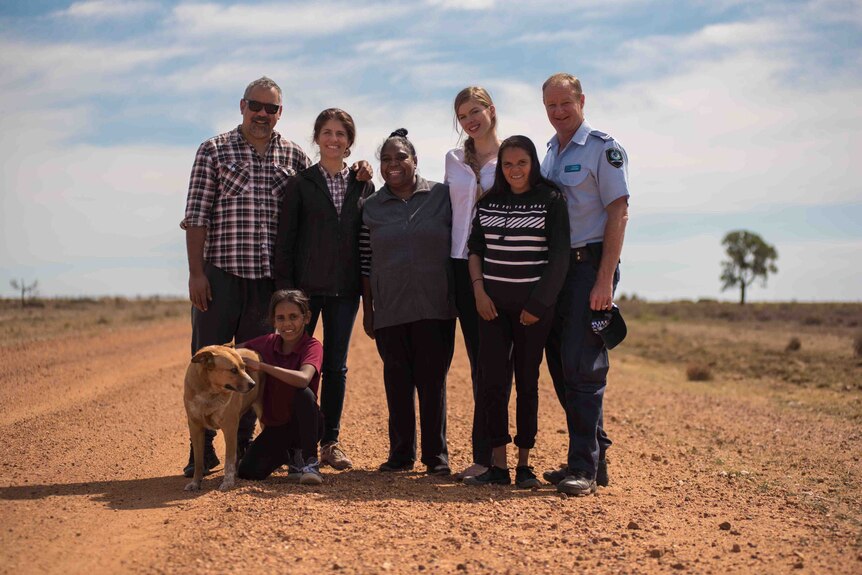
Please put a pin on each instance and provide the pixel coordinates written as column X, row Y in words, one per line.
column 193, row 486
column 225, row 485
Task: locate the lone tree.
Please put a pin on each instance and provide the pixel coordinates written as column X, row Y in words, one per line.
column 27, row 290
column 749, row 258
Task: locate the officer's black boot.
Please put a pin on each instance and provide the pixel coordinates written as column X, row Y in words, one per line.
column 602, row 477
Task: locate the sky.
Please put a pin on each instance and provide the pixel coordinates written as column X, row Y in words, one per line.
column 734, row 115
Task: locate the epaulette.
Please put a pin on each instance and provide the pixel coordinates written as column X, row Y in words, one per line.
column 601, row 135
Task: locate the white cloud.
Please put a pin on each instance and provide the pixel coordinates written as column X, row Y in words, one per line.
column 266, row 20
column 462, row 4
column 727, row 131
column 103, row 9
column 59, row 71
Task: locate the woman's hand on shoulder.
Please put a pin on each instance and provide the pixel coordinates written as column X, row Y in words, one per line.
column 364, row 171
column 251, row 364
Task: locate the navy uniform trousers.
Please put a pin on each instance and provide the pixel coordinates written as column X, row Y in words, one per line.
column 578, row 364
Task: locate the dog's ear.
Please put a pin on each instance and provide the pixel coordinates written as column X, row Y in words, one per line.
column 229, row 344
column 203, row 357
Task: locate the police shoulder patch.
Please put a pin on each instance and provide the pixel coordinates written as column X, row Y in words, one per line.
column 615, row 157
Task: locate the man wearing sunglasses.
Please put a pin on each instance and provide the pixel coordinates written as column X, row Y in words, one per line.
column 235, row 193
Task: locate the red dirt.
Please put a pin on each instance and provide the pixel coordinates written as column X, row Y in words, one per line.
column 706, row 477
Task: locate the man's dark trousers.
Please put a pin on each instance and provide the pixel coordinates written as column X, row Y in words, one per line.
column 237, row 312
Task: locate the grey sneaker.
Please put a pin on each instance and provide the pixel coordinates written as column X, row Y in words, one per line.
column 332, row 455
column 311, row 474
column 578, row 483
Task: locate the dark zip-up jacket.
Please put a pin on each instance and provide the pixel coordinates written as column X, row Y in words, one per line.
column 316, row 249
column 406, row 254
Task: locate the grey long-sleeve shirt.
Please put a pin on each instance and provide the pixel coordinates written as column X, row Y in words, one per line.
column 405, row 251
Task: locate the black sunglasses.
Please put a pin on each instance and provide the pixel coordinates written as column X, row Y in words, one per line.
column 255, row 106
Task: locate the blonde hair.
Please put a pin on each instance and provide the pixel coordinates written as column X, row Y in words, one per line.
column 482, row 96
column 564, row 79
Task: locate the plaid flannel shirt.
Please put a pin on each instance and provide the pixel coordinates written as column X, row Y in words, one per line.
column 337, row 185
column 236, row 194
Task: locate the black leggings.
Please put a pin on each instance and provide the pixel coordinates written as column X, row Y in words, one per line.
column 499, row 339
column 271, row 448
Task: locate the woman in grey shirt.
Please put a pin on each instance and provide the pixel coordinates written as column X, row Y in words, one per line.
column 408, row 302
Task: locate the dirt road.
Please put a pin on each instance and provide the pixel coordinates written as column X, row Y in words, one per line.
column 717, row 477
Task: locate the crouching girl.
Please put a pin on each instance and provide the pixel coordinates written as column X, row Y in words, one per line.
column 291, row 359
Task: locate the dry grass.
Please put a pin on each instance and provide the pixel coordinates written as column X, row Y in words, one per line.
column 751, row 342
column 69, row 317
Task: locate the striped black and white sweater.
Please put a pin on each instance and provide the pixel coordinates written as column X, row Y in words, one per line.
column 523, row 240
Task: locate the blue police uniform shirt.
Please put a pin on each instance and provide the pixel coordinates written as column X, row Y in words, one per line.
column 593, row 171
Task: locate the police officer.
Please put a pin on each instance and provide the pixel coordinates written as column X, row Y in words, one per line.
column 592, row 170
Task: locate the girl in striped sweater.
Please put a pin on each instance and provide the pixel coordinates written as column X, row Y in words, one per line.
column 519, row 256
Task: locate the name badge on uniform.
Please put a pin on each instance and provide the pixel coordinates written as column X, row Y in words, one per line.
column 573, row 168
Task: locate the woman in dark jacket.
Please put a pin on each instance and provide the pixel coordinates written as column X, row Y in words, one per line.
column 317, row 251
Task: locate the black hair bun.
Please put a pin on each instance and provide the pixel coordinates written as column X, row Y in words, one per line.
column 400, row 133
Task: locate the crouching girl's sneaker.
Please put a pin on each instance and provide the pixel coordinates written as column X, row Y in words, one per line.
column 310, row 474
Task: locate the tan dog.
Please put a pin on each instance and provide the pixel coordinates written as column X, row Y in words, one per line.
column 218, row 390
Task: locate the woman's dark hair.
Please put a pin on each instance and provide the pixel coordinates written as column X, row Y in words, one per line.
column 399, row 135
column 341, row 116
column 294, row 296
column 501, row 186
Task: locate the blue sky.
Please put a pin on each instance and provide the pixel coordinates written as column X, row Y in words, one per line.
column 734, row 115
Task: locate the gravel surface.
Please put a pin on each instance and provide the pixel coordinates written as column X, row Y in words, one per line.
column 715, row 477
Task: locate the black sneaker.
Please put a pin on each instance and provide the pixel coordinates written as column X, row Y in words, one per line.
column 554, row 476
column 578, row 483
column 390, row 466
column 438, row 469
column 602, row 478
column 494, row 476
column 525, row 478
column 210, row 460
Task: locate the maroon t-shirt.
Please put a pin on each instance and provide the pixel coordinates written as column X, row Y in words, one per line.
column 278, row 395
